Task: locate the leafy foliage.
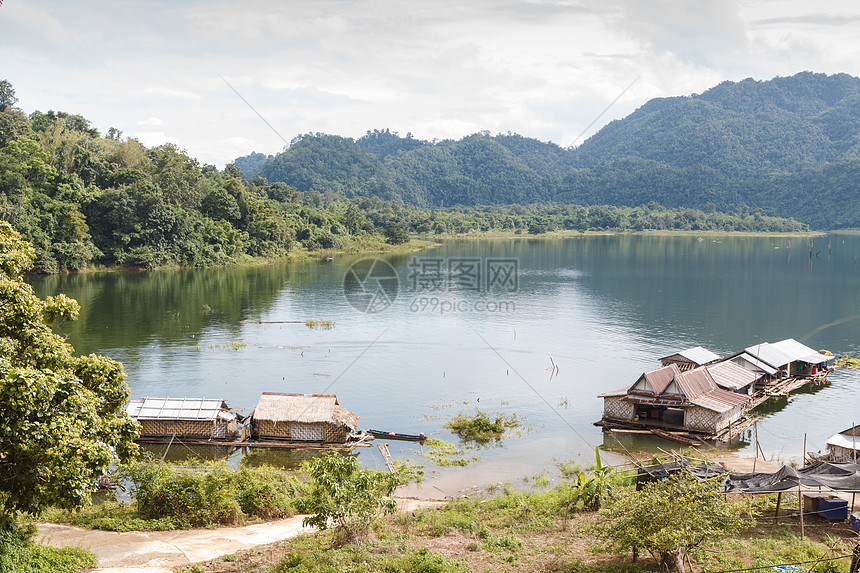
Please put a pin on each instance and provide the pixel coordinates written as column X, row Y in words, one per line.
column 672, row 516
column 211, row 495
column 83, row 200
column 593, row 488
column 480, row 427
column 63, row 414
column 346, row 496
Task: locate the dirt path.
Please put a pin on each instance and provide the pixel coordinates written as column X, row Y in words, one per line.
column 165, row 551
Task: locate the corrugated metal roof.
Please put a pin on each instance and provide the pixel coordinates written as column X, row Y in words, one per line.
column 303, row 408
column 615, row 393
column 844, row 441
column 766, row 368
column 769, row 354
column 695, row 382
column 727, row 374
column 176, row 409
column 699, row 355
column 720, row 400
column 794, row 349
column 660, row 378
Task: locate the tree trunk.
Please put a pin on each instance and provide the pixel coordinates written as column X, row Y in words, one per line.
column 673, row 560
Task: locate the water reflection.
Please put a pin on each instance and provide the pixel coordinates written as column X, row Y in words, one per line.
column 601, row 308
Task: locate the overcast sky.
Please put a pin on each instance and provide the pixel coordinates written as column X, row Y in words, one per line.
column 159, row 70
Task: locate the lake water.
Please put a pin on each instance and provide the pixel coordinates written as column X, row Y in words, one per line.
column 603, row 309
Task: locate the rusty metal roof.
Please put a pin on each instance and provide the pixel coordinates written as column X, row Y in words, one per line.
column 695, row 382
column 731, row 376
column 660, row 378
column 720, row 400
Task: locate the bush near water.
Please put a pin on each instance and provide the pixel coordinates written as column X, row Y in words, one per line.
column 179, row 496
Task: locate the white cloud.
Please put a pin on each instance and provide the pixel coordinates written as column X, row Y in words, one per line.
column 172, row 93
column 150, row 122
column 154, row 138
column 542, row 68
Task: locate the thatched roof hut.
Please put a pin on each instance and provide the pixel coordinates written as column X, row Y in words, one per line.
column 302, row 418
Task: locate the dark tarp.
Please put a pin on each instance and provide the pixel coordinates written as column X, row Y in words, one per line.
column 832, row 475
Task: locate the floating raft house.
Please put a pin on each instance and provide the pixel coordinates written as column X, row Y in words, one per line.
column 184, row 418
column 302, row 418
column 844, row 446
column 697, row 391
column 690, row 358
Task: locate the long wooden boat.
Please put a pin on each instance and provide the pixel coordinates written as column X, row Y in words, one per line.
column 397, row 436
column 675, row 437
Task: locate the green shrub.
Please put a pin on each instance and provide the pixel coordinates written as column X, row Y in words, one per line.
column 344, row 495
column 267, row 493
column 215, row 494
column 479, row 427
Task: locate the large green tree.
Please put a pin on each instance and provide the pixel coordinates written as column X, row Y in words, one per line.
column 63, row 415
column 669, row 517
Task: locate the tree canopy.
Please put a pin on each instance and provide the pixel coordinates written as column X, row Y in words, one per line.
column 84, row 200
column 671, row 516
column 63, row 415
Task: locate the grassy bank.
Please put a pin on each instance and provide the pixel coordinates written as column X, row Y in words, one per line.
column 529, row 531
column 20, row 554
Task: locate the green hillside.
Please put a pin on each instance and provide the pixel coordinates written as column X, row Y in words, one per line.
column 787, row 146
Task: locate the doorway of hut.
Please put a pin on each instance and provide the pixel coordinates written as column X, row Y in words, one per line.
column 664, row 414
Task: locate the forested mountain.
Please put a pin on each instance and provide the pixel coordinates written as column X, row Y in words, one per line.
column 789, row 146
column 83, row 199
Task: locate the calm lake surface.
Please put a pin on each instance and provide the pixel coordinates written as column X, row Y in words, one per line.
column 602, row 308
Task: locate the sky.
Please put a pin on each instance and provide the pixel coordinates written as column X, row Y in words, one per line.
column 193, row 72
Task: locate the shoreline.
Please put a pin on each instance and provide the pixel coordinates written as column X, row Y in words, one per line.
column 421, row 242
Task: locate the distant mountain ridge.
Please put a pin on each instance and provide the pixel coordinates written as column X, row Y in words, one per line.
column 789, row 146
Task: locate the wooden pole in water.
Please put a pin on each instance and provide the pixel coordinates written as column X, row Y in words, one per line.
column 755, row 425
column 804, row 448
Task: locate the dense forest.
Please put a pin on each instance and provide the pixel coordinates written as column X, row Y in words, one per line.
column 788, row 146
column 85, row 199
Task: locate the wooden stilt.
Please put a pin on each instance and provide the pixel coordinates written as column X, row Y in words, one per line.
column 778, row 501
column 800, row 505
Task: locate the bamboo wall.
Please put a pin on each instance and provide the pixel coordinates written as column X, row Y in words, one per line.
column 840, row 454
column 182, row 428
column 614, row 408
column 301, row 432
column 199, row 429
